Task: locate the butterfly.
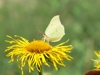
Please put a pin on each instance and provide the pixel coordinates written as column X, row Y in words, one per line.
column 54, row 31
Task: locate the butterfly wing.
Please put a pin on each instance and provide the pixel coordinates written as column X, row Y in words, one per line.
column 55, row 30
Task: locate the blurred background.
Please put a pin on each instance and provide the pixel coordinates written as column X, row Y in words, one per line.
column 81, row 19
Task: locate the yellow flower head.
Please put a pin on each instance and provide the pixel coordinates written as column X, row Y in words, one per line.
column 36, row 53
column 97, row 61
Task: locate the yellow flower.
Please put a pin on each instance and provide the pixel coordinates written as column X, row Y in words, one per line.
column 97, row 61
column 36, row 53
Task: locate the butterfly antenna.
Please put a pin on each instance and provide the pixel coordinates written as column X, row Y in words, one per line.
column 45, row 38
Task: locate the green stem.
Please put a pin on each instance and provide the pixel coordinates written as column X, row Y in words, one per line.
column 40, row 73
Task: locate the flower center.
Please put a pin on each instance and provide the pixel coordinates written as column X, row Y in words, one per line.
column 38, row 46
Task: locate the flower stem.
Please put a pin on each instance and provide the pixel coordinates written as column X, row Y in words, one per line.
column 40, row 73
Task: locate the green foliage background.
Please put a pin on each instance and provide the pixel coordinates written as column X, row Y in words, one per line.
column 81, row 19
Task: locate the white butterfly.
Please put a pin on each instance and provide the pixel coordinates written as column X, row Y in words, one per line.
column 55, row 30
